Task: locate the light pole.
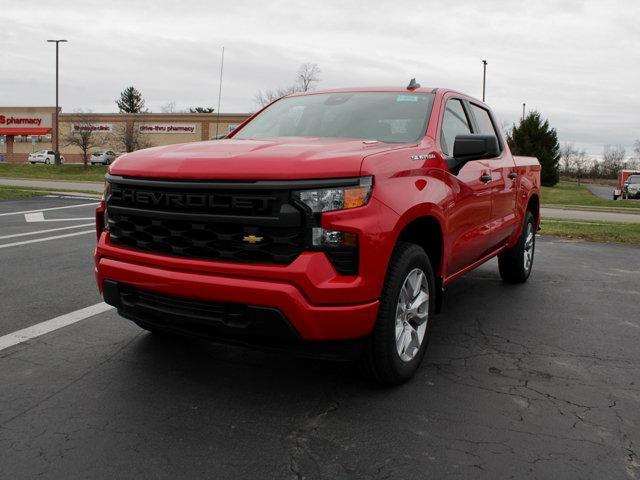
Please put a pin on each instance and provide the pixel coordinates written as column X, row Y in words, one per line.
column 523, row 105
column 219, row 93
column 56, row 143
column 484, row 77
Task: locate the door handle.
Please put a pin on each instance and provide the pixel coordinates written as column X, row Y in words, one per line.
column 485, row 178
column 513, row 175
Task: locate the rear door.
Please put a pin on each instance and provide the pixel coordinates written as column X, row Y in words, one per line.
column 503, row 180
column 469, row 211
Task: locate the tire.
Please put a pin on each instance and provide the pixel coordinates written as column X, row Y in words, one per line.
column 47, row 161
column 515, row 264
column 394, row 350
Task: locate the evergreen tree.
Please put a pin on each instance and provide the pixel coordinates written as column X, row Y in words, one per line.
column 535, row 138
column 201, row 110
column 131, row 101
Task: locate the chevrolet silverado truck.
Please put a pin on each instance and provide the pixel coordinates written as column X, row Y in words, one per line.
column 328, row 223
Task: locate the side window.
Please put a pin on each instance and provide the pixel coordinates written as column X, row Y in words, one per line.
column 455, row 122
column 484, row 121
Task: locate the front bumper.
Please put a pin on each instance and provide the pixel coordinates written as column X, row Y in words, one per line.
column 310, row 322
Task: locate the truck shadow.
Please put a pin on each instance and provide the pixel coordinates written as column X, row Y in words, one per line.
column 474, row 303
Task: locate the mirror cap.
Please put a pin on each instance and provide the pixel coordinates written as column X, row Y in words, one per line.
column 475, row 146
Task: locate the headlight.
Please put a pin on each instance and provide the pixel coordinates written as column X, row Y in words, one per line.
column 340, row 198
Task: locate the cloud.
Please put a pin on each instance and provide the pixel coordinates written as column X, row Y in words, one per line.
column 574, row 61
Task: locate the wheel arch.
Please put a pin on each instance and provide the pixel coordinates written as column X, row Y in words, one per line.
column 533, row 206
column 425, row 231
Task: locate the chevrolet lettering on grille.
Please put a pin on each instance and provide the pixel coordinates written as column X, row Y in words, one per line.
column 179, row 199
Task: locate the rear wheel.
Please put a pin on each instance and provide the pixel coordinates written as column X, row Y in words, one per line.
column 515, row 263
column 399, row 339
column 47, row 161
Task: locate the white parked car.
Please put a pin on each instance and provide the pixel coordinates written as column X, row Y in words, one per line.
column 103, row 157
column 44, row 156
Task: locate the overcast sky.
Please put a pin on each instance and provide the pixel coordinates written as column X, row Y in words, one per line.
column 577, row 62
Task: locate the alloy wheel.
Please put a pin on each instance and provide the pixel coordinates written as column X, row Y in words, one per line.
column 412, row 314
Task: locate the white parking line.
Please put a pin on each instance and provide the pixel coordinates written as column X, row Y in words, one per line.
column 51, row 325
column 45, row 239
column 39, row 217
column 48, row 230
column 48, row 209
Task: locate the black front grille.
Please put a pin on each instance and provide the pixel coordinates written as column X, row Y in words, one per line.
column 206, row 240
column 187, row 219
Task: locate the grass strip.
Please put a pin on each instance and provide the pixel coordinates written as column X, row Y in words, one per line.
column 53, row 172
column 568, row 195
column 605, row 232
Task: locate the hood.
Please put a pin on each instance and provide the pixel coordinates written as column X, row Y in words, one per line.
column 265, row 159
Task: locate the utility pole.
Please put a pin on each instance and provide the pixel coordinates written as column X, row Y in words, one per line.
column 484, row 77
column 219, row 93
column 56, row 145
column 523, row 105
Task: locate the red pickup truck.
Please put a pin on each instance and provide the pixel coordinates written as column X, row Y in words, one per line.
column 328, row 223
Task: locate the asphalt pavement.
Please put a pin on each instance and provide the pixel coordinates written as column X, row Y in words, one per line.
column 602, row 191
column 531, row 381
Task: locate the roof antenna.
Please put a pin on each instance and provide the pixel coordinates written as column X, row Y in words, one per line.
column 413, row 85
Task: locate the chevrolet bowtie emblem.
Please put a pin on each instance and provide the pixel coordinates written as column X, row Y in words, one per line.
column 252, row 239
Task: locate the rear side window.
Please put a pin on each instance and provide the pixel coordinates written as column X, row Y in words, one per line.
column 484, row 120
column 455, row 122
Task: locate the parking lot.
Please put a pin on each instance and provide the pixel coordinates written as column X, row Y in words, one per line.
column 538, row 380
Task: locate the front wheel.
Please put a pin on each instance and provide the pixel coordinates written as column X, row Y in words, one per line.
column 400, row 336
column 515, row 263
column 47, row 161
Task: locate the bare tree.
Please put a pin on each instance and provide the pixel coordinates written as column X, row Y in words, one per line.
column 83, row 135
column 128, row 137
column 268, row 96
column 636, row 149
column 613, row 160
column 308, row 75
column 580, row 164
column 567, row 157
column 169, row 107
column 306, row 78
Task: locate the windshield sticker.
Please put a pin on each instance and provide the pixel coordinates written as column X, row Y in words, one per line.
column 406, row 98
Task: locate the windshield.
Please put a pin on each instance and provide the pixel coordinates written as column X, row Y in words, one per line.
column 391, row 117
column 634, row 179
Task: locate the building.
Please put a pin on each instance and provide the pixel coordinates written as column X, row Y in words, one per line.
column 24, row 130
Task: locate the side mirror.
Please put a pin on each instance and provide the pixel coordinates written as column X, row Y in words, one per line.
column 472, row 147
